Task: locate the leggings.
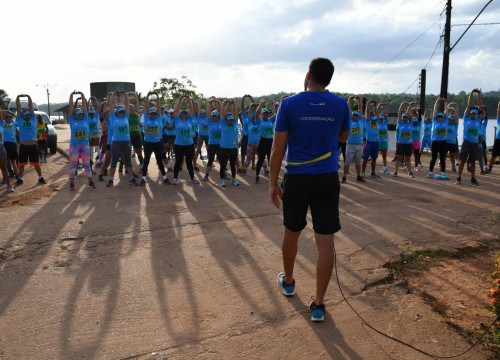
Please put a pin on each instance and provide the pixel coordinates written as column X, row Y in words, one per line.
column 76, row 152
column 123, row 150
column 232, row 156
column 201, row 139
column 213, row 149
column 440, row 147
column 263, row 150
column 156, row 148
column 182, row 151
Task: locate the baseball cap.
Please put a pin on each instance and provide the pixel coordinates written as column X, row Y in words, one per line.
column 77, row 111
column 229, row 116
column 119, row 108
column 203, row 111
column 215, row 113
column 405, row 115
column 170, row 111
column 91, row 111
column 264, row 110
column 184, row 111
column 451, row 117
column 372, row 118
column 356, row 112
column 473, row 111
column 152, row 111
column 26, row 112
column 440, row 114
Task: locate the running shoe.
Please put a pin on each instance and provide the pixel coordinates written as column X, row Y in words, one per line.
column 10, row 189
column 474, row 181
column 110, row 183
column 205, row 178
column 417, row 169
column 167, row 181
column 489, row 170
column 71, row 187
column 287, row 289
column 386, row 171
column 360, row 179
column 175, row 182
column 374, row 175
column 41, row 180
column 344, row 180
column 362, row 174
column 420, row 165
column 222, row 183
column 266, row 172
column 410, row 175
column 132, row 182
column 19, row 181
column 194, row 181
column 100, row 178
column 235, row 182
column 142, row 183
column 257, row 180
column 92, row 185
column 4, row 181
column 445, row 176
column 395, row 174
column 430, row 175
column 317, row 311
column 458, row 181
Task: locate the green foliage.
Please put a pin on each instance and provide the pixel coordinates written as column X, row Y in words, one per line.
column 4, row 99
column 172, row 89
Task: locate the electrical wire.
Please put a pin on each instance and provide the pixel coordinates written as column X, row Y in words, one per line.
column 396, row 339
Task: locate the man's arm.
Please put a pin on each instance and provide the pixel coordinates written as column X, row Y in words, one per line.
column 277, row 154
column 343, row 136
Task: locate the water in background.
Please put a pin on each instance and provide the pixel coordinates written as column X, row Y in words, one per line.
column 490, row 134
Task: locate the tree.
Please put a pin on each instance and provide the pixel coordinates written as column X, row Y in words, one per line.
column 4, row 99
column 172, row 88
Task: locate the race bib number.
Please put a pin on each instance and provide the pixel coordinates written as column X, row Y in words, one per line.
column 93, row 127
column 123, row 130
column 40, row 131
column 356, row 130
column 134, row 128
column 216, row 134
column 373, row 125
column 152, row 130
column 405, row 135
column 8, row 126
column 204, row 127
column 27, row 124
column 255, row 130
column 80, row 135
column 472, row 132
column 382, row 133
column 186, row 133
column 268, row 131
column 441, row 132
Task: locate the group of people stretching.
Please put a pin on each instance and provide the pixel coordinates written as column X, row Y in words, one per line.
column 437, row 132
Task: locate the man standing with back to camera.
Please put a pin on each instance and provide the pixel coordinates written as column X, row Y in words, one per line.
column 309, row 124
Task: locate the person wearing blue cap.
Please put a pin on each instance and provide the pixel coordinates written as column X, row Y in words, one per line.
column 496, row 144
column 184, row 144
column 354, row 143
column 309, row 126
column 452, row 134
column 94, row 128
column 28, row 150
column 3, row 156
column 119, row 111
column 10, row 142
column 469, row 149
column 79, row 140
column 203, row 126
column 371, row 139
column 266, row 131
column 214, row 134
column 228, row 143
column 439, row 143
column 404, row 146
column 383, row 134
column 153, row 127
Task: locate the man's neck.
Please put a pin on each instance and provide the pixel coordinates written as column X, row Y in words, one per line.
column 314, row 87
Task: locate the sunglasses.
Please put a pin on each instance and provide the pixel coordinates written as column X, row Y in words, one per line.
column 121, row 112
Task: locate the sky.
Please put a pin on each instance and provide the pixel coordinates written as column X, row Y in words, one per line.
column 231, row 48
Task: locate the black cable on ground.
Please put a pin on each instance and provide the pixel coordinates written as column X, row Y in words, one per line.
column 396, row 339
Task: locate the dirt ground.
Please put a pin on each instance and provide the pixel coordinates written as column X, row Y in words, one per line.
column 189, row 271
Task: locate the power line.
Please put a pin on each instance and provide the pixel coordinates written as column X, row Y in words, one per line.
column 476, row 24
column 432, row 55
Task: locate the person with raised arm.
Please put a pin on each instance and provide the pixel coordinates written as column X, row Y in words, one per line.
column 28, row 150
column 496, row 144
column 229, row 142
column 94, row 127
column 119, row 110
column 469, row 148
column 439, row 145
column 371, row 139
column 153, row 128
column 203, row 127
column 404, row 146
column 266, row 131
column 452, row 134
column 243, row 117
column 79, row 140
column 214, row 134
column 3, row 156
column 383, row 133
column 10, row 132
column 134, row 121
column 416, row 133
column 184, row 144
column 354, row 147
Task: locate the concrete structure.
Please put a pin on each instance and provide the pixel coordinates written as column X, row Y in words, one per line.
column 101, row 89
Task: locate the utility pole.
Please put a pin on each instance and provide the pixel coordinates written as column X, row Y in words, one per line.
column 423, row 75
column 446, row 52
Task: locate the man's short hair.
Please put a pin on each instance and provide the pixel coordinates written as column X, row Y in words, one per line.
column 321, row 71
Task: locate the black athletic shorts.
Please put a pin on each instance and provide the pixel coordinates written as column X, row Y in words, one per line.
column 318, row 192
column 496, row 148
column 28, row 153
column 11, row 148
column 136, row 141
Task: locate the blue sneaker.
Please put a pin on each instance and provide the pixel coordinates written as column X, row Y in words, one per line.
column 317, row 311
column 288, row 289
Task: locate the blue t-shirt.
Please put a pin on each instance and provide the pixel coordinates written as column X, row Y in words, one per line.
column 183, row 132
column 27, row 128
column 1, row 133
column 9, row 131
column 229, row 135
column 356, row 131
column 253, row 130
column 383, row 131
column 194, row 124
column 371, row 130
column 439, row 129
column 214, row 133
column 427, row 129
column 244, row 123
column 415, row 131
column 120, row 127
column 313, row 120
column 451, row 133
column 80, row 132
column 203, row 127
column 171, row 121
column 403, row 133
column 471, row 129
column 94, row 126
column 153, row 129
column 497, row 136
column 266, row 127
column 482, row 130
